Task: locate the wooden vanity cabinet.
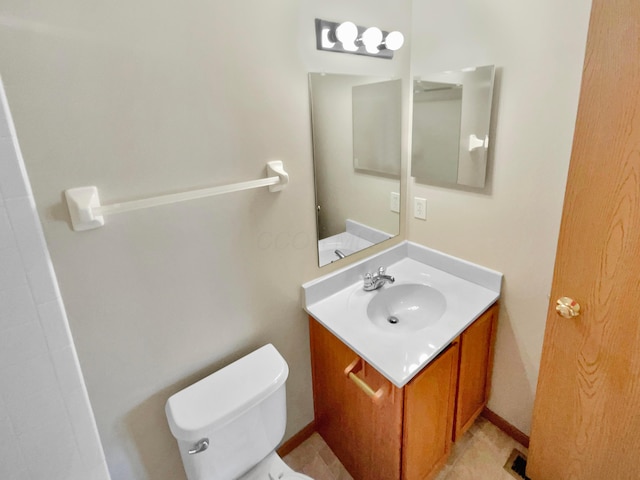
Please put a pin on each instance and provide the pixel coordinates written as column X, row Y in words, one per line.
column 476, row 362
column 393, row 433
column 399, row 433
column 365, row 433
column 429, row 403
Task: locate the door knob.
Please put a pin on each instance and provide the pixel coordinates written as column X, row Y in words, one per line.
column 567, row 307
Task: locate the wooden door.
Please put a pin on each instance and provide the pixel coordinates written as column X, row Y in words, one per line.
column 586, row 422
column 364, row 433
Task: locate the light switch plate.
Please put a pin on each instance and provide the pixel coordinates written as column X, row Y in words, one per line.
column 420, row 208
column 395, row 202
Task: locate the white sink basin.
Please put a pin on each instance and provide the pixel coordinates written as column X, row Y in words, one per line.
column 406, row 308
column 435, row 297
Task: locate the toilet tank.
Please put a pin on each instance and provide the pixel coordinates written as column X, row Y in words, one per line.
column 240, row 409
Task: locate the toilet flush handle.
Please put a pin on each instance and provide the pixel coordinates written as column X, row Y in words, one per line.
column 201, row 446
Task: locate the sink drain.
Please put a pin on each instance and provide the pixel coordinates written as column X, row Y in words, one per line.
column 392, row 320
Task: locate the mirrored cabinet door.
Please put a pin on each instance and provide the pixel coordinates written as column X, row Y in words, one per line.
column 451, row 124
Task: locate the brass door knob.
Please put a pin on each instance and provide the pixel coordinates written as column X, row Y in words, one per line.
column 567, row 307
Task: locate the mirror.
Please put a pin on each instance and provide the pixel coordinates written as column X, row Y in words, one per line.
column 451, row 122
column 356, row 127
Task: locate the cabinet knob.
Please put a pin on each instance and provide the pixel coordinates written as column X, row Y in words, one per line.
column 567, row 307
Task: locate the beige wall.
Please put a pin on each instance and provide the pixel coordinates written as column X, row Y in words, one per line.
column 142, row 98
column 512, row 224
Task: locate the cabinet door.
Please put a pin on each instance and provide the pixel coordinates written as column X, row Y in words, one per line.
column 364, row 433
column 476, row 360
column 429, row 408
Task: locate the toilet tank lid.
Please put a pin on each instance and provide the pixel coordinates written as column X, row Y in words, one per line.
column 222, row 396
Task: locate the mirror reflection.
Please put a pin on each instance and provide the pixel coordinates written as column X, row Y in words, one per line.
column 356, row 126
column 451, row 123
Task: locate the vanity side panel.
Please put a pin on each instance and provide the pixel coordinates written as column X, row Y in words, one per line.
column 476, row 362
column 364, row 434
column 430, row 400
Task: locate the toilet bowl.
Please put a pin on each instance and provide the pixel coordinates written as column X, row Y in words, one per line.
column 229, row 424
column 273, row 468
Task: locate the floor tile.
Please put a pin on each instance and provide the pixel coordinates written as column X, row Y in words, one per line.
column 315, row 459
column 479, row 455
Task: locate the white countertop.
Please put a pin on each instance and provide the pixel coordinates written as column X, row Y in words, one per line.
column 339, row 302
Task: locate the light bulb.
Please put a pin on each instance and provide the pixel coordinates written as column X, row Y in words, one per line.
column 326, row 42
column 347, row 33
column 394, row 40
column 372, row 38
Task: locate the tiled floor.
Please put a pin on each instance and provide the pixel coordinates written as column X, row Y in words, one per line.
column 479, row 455
column 314, row 458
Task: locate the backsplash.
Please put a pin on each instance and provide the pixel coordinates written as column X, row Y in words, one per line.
column 47, row 428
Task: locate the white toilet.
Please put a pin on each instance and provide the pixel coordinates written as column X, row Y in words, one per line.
column 229, row 423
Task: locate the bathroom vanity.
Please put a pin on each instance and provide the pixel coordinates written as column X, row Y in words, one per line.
column 391, row 398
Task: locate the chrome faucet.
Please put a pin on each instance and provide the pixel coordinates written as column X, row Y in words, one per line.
column 373, row 281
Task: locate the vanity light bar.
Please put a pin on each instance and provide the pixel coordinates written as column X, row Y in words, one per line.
column 347, row 37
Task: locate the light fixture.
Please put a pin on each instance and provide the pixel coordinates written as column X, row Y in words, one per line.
column 347, row 33
column 394, row 41
column 347, row 37
column 372, row 39
column 324, row 38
